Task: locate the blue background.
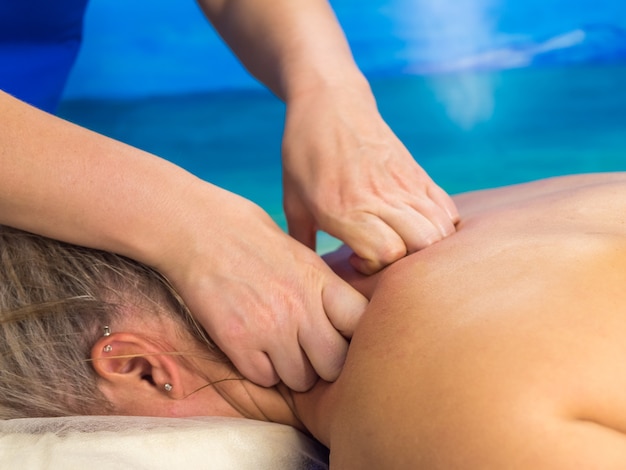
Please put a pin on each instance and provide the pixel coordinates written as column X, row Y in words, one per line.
column 136, row 48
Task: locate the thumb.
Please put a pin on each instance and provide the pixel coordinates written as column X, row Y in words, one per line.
column 344, row 307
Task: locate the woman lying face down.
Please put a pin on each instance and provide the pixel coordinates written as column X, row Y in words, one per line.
column 499, row 347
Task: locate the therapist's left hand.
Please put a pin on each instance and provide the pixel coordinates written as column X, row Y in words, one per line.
column 346, row 173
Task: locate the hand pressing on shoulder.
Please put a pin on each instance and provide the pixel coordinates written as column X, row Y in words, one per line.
column 270, row 303
column 346, row 173
column 273, row 306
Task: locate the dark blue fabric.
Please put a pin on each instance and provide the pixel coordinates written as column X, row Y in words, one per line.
column 39, row 42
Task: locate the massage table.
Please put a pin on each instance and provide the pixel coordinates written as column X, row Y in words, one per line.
column 138, row 443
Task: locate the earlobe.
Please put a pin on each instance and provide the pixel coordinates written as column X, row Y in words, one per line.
column 132, row 362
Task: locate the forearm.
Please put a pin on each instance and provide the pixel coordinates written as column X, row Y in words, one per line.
column 290, row 46
column 69, row 183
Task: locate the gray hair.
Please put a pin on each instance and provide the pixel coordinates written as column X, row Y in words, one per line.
column 55, row 299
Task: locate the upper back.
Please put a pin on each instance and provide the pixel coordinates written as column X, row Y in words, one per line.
column 515, row 320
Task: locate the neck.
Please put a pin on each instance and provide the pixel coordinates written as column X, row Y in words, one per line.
column 313, row 409
column 308, row 412
column 273, row 404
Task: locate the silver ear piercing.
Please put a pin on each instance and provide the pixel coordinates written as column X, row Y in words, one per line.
column 168, row 387
column 107, row 332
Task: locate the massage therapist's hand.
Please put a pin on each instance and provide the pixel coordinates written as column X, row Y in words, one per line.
column 346, row 173
column 271, row 304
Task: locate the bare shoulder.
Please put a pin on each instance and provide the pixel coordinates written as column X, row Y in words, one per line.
column 492, row 216
column 609, row 186
column 501, row 346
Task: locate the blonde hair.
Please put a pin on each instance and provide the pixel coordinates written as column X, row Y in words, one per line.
column 55, row 299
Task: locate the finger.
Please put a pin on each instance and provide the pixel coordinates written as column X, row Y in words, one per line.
column 407, row 230
column 326, row 350
column 443, row 200
column 374, row 242
column 256, row 366
column 420, row 224
column 344, row 307
column 415, row 229
column 324, row 340
column 367, row 266
column 320, row 349
column 292, row 364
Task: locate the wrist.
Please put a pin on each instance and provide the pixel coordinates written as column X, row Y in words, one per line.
column 201, row 233
column 187, row 215
column 308, row 82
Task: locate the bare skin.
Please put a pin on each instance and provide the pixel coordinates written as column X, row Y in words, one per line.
column 500, row 347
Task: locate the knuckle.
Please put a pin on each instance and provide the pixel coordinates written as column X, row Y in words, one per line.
column 390, row 252
column 260, row 371
column 233, row 331
column 426, row 238
column 303, row 383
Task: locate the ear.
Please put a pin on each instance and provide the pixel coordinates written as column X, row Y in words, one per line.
column 130, row 364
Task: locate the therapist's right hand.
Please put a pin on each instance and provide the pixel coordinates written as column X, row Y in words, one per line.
column 271, row 304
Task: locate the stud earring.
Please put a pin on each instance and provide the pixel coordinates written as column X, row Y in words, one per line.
column 107, row 348
column 168, row 387
column 107, row 331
